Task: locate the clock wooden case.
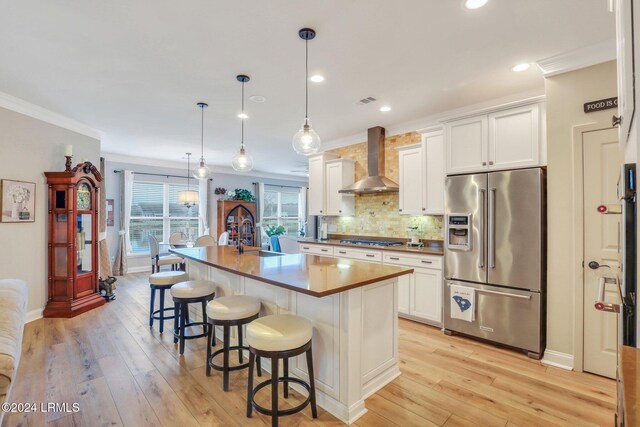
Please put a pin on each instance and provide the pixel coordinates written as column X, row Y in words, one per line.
column 73, row 241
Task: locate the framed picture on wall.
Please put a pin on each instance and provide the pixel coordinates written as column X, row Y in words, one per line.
column 17, row 201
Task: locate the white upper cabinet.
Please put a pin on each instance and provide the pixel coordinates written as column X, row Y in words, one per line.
column 505, row 139
column 412, row 197
column 317, row 182
column 625, row 64
column 433, row 143
column 339, row 173
column 421, row 173
column 467, row 145
column 514, row 138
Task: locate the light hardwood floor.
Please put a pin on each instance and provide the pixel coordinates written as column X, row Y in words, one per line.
column 123, row 373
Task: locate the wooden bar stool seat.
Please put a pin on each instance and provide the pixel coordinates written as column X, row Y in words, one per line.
column 185, row 293
column 235, row 310
column 163, row 281
column 280, row 337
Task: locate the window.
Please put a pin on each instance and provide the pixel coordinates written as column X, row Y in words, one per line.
column 282, row 207
column 155, row 211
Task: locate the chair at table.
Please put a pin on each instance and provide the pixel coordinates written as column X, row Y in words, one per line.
column 224, row 239
column 177, row 238
column 289, row 245
column 205, row 240
column 156, row 260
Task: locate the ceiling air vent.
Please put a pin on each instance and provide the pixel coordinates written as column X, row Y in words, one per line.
column 367, row 100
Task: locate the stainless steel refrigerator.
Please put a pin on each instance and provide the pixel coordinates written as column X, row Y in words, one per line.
column 495, row 247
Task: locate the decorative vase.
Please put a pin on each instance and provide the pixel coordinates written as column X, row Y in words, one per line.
column 15, row 210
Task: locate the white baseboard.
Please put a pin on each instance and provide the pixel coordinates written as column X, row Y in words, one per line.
column 558, row 359
column 34, row 315
column 141, row 269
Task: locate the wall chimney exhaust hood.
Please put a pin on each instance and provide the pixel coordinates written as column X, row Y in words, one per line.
column 374, row 182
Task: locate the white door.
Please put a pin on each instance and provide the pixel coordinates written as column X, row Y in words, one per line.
column 404, row 296
column 316, row 185
column 426, row 301
column 434, row 149
column 467, row 145
column 411, row 180
column 334, row 183
column 514, row 138
column 601, row 165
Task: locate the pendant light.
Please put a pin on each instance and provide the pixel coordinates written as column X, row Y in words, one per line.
column 188, row 197
column 242, row 162
column 306, row 141
column 202, row 171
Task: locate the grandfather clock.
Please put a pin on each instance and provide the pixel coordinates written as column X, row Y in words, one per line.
column 73, row 240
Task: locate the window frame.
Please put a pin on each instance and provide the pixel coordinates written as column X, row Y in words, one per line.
column 279, row 217
column 166, row 218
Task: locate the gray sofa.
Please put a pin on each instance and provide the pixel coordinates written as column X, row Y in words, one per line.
column 13, row 308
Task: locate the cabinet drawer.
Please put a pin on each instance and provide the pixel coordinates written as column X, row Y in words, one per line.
column 422, row 261
column 324, row 250
column 361, row 254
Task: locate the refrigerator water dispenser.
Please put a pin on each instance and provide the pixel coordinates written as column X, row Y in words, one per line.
column 459, row 235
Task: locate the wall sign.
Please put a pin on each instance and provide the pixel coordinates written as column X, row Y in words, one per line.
column 601, row 104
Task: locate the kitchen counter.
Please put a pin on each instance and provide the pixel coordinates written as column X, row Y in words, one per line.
column 352, row 305
column 310, row 274
column 426, row 250
column 630, row 373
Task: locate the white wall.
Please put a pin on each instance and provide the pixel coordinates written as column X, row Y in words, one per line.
column 228, row 181
column 28, row 148
column 565, row 94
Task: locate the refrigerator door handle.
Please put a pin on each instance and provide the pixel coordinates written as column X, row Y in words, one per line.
column 491, row 235
column 504, row 294
column 481, row 195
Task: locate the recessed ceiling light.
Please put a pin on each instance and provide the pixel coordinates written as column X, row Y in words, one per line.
column 385, row 108
column 257, row 98
column 317, row 78
column 521, row 67
column 475, row 4
column 243, row 116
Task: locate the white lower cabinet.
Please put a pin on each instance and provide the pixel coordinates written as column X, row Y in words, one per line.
column 419, row 294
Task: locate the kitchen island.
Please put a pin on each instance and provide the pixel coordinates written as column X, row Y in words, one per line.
column 353, row 306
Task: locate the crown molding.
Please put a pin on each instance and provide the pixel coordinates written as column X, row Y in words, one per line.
column 171, row 164
column 23, row 107
column 578, row 58
column 435, row 121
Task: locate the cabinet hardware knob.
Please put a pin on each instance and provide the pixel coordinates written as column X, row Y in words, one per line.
column 340, row 211
column 324, row 250
column 616, row 120
column 305, row 247
column 427, row 262
column 400, row 210
column 490, row 163
column 370, row 255
column 483, row 164
column 394, row 258
column 341, row 252
column 424, row 209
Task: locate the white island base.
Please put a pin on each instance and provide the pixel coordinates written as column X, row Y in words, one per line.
column 355, row 336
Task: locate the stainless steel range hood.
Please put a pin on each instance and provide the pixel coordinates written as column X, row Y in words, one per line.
column 374, row 182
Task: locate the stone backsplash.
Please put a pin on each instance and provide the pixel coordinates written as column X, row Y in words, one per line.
column 377, row 214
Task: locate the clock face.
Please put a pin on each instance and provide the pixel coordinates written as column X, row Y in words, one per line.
column 84, row 197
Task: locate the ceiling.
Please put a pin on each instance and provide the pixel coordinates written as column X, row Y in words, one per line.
column 136, row 69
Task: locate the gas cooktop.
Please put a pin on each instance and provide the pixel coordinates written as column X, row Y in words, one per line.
column 365, row 242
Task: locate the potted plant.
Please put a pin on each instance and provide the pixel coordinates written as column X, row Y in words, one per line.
column 272, row 230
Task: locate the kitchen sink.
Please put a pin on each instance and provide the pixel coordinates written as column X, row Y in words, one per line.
column 263, row 254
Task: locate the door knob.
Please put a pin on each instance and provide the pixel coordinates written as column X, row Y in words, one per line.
column 594, row 265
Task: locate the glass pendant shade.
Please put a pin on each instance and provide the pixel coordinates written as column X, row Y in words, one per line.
column 242, row 162
column 202, row 171
column 188, row 197
column 306, row 141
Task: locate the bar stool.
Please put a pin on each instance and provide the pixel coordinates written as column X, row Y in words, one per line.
column 185, row 293
column 162, row 281
column 280, row 337
column 235, row 310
